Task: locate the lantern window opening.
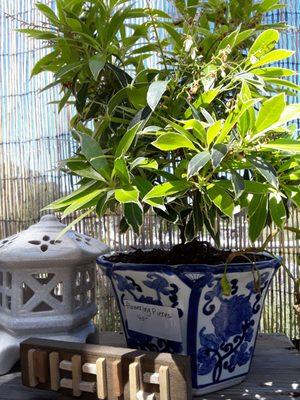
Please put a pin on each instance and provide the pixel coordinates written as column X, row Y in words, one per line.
column 78, row 300
column 27, row 293
column 89, row 296
column 42, row 307
column 58, row 292
column 8, row 280
column 43, row 278
column 78, row 278
column 1, row 299
column 8, row 302
column 1, row 278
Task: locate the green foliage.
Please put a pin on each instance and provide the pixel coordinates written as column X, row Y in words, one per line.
column 203, row 135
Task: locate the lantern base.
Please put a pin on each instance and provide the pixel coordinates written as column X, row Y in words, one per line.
column 10, row 344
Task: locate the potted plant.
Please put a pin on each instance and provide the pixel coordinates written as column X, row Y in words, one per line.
column 202, row 136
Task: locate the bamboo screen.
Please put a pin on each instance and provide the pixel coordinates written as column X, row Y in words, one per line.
column 33, row 137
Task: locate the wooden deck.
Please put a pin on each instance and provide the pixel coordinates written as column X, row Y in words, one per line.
column 274, row 375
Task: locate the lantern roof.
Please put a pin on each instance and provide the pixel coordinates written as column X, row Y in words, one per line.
column 39, row 244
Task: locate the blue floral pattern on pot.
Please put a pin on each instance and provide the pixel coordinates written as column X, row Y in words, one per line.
column 230, row 345
column 218, row 331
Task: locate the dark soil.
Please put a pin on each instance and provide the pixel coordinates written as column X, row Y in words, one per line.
column 194, row 252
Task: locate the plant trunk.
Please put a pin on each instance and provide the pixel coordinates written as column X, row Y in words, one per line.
column 182, row 232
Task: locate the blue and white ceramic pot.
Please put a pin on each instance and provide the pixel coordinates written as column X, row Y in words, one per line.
column 182, row 309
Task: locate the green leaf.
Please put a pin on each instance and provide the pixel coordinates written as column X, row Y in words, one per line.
column 268, row 5
column 198, row 129
column 83, row 202
column 256, row 187
column 103, row 203
column 293, row 193
column 213, row 131
column 265, row 42
column 229, row 40
column 127, row 140
column 258, row 219
column 218, row 153
column 237, row 183
column 273, row 72
column 155, row 92
column 203, row 99
column 221, row 199
column 38, row 34
column 197, row 163
column 43, row 63
column 180, row 129
column 225, row 285
column 74, row 24
column 243, row 36
column 174, row 34
column 64, row 100
column 234, row 117
column 270, row 112
column 273, row 56
column 284, row 145
column 172, row 141
column 96, row 64
column 66, row 200
column 265, row 169
column 254, row 203
column 92, row 151
column 66, row 69
column 283, row 83
column 134, row 216
column 123, row 226
column 123, row 77
column 121, row 170
column 143, row 162
column 74, row 222
column 167, row 189
column 83, row 169
column 290, row 113
column 277, row 210
column 48, row 12
column 129, row 195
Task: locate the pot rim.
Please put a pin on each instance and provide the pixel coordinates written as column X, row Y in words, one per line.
column 231, row 267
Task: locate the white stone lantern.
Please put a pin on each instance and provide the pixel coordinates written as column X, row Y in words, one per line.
column 47, row 287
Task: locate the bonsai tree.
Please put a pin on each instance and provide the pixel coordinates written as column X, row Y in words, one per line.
column 205, row 134
column 201, row 136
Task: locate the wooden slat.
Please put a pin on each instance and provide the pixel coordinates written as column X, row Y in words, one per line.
column 65, row 365
column 54, row 370
column 76, row 375
column 101, row 378
column 41, row 366
column 89, row 368
column 31, row 371
column 149, row 377
column 164, row 383
column 134, row 384
column 87, row 387
column 117, row 379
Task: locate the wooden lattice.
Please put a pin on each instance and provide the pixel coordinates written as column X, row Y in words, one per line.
column 103, row 372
